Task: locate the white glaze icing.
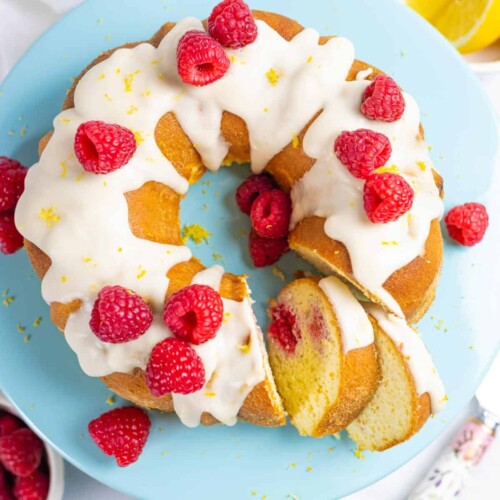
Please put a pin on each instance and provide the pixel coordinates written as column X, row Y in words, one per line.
column 417, row 357
column 355, row 327
column 364, row 73
column 80, row 220
column 329, row 190
column 231, row 368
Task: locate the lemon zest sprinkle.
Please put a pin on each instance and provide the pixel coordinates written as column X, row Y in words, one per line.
column 195, row 232
column 210, row 394
column 295, row 141
column 132, row 109
column 309, row 59
column 37, row 321
column 102, row 76
column 273, row 77
column 49, row 216
column 422, row 166
column 20, row 328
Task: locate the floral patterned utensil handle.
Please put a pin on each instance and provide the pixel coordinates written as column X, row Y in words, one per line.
column 446, row 478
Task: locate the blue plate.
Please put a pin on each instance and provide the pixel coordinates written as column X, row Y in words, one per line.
column 41, row 374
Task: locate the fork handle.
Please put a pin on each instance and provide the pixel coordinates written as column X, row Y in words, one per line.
column 446, row 478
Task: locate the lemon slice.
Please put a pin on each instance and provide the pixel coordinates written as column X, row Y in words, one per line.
column 469, row 24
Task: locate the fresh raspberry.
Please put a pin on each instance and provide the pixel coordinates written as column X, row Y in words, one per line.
column 174, row 366
column 5, row 494
column 11, row 239
column 119, row 315
column 200, row 59
column 252, row 187
column 467, row 223
column 9, row 423
column 387, row 197
column 194, row 314
column 266, row 251
column 231, row 23
column 270, row 214
column 362, row 151
column 34, row 487
column 102, row 148
column 121, row 433
column 382, row 100
column 12, row 175
column 21, row 452
column 284, row 328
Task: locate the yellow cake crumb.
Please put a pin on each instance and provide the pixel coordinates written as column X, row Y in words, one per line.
column 195, row 232
column 273, row 77
column 49, row 216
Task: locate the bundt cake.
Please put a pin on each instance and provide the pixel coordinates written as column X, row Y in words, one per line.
column 323, row 356
column 280, row 102
column 410, row 389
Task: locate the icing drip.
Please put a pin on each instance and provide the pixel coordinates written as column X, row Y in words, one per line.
column 232, row 360
column 80, row 220
column 329, row 190
column 417, row 357
column 355, row 327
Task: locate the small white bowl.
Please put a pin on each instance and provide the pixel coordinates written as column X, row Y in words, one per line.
column 55, row 462
column 486, row 65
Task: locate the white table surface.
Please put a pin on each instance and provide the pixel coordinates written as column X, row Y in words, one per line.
column 21, row 22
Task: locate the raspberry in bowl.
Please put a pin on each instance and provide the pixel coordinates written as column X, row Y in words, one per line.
column 29, row 468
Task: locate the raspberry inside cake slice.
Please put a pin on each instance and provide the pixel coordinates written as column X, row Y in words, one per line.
column 322, row 354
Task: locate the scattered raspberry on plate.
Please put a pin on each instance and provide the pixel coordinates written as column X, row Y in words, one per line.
column 467, row 223
column 121, row 433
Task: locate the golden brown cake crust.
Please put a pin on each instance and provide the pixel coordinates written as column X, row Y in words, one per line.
column 154, row 202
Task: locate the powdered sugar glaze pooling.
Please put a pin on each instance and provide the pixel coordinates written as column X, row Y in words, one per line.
column 277, row 87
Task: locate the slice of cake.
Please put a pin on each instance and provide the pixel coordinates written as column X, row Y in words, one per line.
column 410, row 388
column 322, row 352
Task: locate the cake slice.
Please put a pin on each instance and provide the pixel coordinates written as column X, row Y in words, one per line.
column 410, row 388
column 322, row 353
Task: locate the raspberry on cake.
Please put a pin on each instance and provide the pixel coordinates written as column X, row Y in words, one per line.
column 194, row 314
column 12, row 175
column 200, row 59
column 270, row 214
column 174, row 367
column 119, row 315
column 102, row 148
column 266, row 251
column 362, row 151
column 386, row 197
column 231, row 23
column 382, row 100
